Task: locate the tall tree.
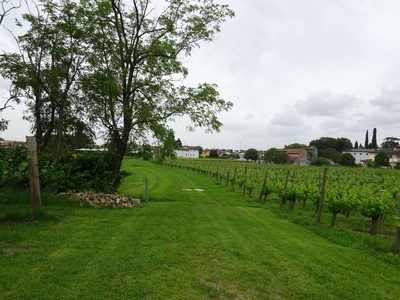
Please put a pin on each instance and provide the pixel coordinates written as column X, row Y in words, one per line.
column 390, row 142
column 44, row 73
column 374, row 143
column 356, row 145
column 136, row 54
column 366, row 142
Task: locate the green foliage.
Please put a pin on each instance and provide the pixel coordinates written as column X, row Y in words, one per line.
column 341, row 201
column 330, row 153
column 296, row 146
column 374, row 205
column 374, row 143
column 82, row 171
column 381, row 159
column 14, row 166
column 340, row 144
column 251, row 154
column 322, row 161
column 390, row 142
column 274, row 156
column 79, row 172
column 347, row 159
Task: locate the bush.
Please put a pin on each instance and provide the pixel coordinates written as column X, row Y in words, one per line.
column 14, row 166
column 82, row 171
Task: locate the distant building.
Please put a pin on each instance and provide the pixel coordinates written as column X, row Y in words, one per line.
column 297, row 157
column 187, row 152
column 393, row 153
column 362, row 156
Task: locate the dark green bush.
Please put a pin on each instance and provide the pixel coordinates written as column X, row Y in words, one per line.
column 81, row 171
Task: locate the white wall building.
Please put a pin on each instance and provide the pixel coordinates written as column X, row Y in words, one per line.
column 187, row 152
column 360, row 154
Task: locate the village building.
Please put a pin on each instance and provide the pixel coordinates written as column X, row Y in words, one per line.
column 362, row 156
column 187, row 152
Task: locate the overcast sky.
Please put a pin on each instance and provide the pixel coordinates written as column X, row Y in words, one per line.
column 296, row 70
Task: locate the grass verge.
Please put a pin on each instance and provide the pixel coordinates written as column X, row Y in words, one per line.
column 182, row 244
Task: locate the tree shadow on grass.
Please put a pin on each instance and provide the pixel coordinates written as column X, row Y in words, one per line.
column 28, row 217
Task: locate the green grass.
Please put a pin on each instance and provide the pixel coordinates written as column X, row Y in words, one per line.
column 184, row 245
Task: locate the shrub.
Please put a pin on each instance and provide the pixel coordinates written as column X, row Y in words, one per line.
column 80, row 171
column 14, row 166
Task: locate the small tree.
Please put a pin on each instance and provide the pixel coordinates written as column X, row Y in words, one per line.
column 274, row 156
column 214, row 153
column 251, row 154
column 347, row 159
column 381, row 159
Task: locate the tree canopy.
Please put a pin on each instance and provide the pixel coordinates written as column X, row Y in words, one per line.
column 274, row 156
column 296, row 146
column 340, row 144
column 121, row 61
column 347, row 159
column 330, row 153
column 390, row 142
column 381, row 159
column 251, row 154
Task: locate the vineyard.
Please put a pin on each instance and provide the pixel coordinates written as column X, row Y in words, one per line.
column 370, row 193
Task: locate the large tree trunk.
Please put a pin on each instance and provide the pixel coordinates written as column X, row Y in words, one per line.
column 121, row 142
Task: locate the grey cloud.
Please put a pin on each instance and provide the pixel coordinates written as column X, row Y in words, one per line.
column 389, row 98
column 287, row 118
column 325, row 103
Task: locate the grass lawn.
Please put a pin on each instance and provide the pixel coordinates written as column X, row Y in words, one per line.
column 182, row 244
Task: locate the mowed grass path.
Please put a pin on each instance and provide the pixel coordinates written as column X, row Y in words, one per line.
column 182, row 245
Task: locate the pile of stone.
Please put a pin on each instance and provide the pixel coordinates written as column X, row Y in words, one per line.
column 105, row 200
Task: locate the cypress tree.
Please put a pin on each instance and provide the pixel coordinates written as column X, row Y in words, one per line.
column 356, row 145
column 374, row 144
column 366, row 143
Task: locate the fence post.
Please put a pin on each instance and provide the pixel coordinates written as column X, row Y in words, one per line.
column 322, row 196
column 34, row 183
column 263, row 186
